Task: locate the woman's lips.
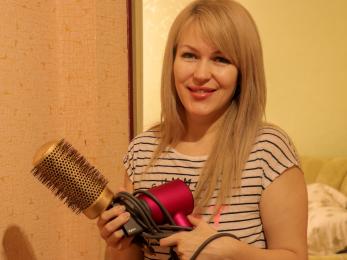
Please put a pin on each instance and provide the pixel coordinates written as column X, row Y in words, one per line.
column 201, row 93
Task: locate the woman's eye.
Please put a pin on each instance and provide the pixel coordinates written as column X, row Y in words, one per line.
column 188, row 55
column 222, row 60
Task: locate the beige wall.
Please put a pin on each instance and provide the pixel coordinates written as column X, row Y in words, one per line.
column 306, row 65
column 157, row 18
column 63, row 73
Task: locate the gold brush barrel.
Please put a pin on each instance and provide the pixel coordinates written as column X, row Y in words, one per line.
column 81, row 186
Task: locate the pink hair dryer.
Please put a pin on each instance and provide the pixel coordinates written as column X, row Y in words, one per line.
column 176, row 197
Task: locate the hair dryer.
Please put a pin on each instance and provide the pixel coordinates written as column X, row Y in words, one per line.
column 176, row 197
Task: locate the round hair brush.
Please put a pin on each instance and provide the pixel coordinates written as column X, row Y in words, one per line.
column 73, row 180
column 83, row 188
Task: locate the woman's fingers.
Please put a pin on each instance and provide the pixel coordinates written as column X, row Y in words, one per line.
column 110, row 223
column 107, row 215
column 172, row 240
column 113, row 226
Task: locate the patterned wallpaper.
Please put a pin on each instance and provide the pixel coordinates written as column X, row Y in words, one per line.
column 63, row 73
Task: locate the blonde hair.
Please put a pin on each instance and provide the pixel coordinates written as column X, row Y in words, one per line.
column 230, row 28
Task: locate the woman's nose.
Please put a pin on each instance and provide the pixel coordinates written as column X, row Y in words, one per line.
column 202, row 71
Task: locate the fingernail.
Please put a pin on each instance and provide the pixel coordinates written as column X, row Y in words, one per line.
column 126, row 215
column 120, row 208
column 119, row 233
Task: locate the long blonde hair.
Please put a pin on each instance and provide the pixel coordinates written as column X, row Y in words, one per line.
column 230, row 28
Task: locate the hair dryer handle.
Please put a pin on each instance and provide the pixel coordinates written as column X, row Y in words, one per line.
column 181, row 220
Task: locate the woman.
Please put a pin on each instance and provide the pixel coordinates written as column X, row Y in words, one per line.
column 244, row 173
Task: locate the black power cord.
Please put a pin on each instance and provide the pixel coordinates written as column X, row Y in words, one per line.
column 143, row 227
column 209, row 240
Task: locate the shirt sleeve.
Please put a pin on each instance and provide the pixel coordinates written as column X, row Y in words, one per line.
column 129, row 162
column 278, row 154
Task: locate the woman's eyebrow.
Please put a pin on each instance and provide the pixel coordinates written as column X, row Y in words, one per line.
column 186, row 46
column 215, row 52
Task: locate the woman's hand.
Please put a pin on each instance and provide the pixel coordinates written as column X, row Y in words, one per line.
column 188, row 242
column 110, row 223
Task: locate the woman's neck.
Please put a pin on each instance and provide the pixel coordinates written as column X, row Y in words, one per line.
column 199, row 137
column 199, row 129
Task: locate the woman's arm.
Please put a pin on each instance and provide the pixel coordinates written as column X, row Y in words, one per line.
column 283, row 210
column 124, row 249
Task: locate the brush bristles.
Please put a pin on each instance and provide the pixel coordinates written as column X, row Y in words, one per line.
column 68, row 174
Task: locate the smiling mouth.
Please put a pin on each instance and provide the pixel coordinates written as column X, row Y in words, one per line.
column 201, row 90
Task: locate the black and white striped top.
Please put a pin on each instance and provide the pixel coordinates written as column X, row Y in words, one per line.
column 271, row 155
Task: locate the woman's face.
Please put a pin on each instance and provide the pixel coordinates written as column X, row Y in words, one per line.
column 205, row 79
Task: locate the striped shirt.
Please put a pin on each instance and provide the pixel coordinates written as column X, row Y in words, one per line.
column 271, row 155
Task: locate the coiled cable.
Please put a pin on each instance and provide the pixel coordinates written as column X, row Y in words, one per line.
column 152, row 230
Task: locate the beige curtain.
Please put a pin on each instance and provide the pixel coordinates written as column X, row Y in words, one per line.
column 63, row 73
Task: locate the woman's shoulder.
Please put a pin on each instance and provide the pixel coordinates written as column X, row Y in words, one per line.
column 272, row 132
column 276, row 152
column 273, row 139
column 150, row 136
